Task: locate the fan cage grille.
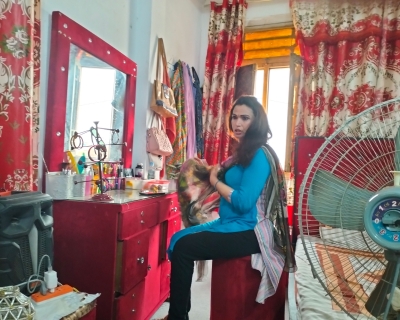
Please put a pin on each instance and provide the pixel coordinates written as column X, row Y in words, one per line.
column 362, row 152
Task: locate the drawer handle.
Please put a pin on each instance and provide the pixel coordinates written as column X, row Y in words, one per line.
column 140, row 260
column 149, row 267
column 133, row 310
column 174, row 222
column 142, row 221
column 142, row 213
column 174, row 209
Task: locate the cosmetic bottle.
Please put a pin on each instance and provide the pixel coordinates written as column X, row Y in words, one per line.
column 151, row 171
column 157, row 174
column 139, row 170
column 121, row 177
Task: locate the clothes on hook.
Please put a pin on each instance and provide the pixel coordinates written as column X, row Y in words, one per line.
column 191, row 149
column 179, row 144
column 188, row 142
column 198, row 101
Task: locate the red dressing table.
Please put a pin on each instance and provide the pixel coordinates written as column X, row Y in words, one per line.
column 117, row 249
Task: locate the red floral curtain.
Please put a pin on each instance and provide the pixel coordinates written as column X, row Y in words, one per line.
column 224, row 56
column 351, row 60
column 19, row 94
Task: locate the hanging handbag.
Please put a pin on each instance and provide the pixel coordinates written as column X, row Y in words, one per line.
column 162, row 101
column 157, row 141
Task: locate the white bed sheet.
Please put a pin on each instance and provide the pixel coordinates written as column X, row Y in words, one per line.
column 312, row 301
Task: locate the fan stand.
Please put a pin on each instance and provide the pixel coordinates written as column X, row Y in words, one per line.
column 378, row 299
column 392, row 257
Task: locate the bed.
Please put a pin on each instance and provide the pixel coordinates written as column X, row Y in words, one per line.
column 308, row 298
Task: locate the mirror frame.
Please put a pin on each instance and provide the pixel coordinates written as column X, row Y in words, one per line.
column 65, row 31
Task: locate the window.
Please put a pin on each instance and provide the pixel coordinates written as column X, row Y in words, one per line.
column 271, row 50
column 277, row 104
column 271, row 88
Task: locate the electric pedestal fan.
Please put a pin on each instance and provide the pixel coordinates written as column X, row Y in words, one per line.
column 350, row 199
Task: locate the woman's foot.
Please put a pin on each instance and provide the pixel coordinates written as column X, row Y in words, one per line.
column 165, row 318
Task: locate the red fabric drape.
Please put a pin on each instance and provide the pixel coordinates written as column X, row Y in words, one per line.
column 351, row 60
column 224, row 56
column 19, row 94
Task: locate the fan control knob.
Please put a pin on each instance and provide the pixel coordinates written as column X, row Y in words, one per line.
column 391, row 220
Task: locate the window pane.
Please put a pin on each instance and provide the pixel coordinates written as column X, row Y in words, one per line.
column 259, row 85
column 278, row 95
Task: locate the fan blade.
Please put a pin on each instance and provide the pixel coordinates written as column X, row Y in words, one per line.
column 337, row 203
column 397, row 151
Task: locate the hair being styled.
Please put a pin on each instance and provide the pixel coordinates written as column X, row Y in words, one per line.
column 256, row 135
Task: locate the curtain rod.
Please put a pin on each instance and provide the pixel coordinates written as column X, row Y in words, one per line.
column 207, row 2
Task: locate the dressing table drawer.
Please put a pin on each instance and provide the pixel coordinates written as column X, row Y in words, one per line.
column 168, row 207
column 174, row 225
column 129, row 306
column 132, row 261
column 137, row 220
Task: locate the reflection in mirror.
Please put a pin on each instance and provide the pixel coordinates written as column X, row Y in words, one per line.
column 96, row 92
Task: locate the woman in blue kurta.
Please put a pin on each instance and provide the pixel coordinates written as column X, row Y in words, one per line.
column 232, row 235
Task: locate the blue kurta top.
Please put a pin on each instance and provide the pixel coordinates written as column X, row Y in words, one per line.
column 241, row 213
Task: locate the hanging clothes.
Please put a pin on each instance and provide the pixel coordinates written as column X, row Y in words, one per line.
column 191, row 149
column 180, row 142
column 169, row 123
column 198, row 114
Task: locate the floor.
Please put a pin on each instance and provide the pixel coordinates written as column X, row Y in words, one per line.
column 201, row 292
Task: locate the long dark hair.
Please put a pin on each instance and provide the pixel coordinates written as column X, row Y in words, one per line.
column 256, row 135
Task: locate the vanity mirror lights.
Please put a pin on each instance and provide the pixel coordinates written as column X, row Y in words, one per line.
column 89, row 81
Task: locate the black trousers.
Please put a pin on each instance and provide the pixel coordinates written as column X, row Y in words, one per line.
column 202, row 246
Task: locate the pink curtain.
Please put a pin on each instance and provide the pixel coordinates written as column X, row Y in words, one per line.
column 19, row 94
column 224, row 56
column 351, row 60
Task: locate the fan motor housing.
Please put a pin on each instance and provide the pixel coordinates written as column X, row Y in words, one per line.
column 382, row 218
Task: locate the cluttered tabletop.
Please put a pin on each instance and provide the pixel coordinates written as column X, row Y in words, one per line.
column 124, row 196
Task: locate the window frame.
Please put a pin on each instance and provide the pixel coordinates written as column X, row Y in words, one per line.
column 273, row 63
column 266, row 65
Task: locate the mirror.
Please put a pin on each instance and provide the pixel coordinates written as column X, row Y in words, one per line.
column 89, row 81
column 96, row 92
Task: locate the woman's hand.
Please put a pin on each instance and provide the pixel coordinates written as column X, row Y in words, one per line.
column 213, row 174
column 224, row 190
